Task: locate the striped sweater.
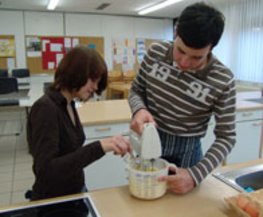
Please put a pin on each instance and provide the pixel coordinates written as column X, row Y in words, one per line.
column 182, row 102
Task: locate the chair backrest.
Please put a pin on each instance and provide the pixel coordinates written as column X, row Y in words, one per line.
column 20, row 73
column 8, row 85
column 3, row 73
column 129, row 76
column 114, row 76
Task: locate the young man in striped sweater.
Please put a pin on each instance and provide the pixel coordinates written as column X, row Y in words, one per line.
column 180, row 86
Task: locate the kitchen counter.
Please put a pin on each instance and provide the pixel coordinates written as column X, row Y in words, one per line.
column 104, row 112
column 205, row 201
column 242, row 103
column 117, row 111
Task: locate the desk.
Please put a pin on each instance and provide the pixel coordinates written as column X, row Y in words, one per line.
column 119, row 87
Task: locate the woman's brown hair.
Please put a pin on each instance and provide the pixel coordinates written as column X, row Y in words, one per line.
column 79, row 65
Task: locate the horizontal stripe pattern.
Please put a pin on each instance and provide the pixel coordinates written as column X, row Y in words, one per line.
column 182, row 103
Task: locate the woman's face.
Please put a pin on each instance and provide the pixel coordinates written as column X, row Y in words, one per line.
column 87, row 90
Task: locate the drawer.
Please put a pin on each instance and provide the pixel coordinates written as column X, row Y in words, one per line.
column 249, row 115
column 105, row 130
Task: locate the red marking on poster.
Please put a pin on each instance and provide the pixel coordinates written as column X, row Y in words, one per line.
column 52, row 48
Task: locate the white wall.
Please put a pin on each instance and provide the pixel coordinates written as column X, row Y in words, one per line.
column 44, row 23
column 78, row 24
column 11, row 23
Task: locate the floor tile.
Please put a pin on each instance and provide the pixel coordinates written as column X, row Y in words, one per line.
column 23, row 157
column 5, row 198
column 22, row 166
column 8, row 168
column 18, row 197
column 23, row 174
column 5, row 187
column 6, row 176
column 22, row 185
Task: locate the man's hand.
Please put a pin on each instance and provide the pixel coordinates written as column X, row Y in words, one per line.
column 181, row 182
column 139, row 119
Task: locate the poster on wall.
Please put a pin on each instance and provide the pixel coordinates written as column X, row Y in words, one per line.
column 7, row 47
column 123, row 52
column 52, row 50
column 141, row 49
column 33, row 47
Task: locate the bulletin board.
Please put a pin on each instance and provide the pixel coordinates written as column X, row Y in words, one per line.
column 136, row 50
column 7, row 51
column 142, row 45
column 43, row 53
column 123, row 54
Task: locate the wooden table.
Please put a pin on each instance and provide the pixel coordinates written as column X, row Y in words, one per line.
column 120, row 87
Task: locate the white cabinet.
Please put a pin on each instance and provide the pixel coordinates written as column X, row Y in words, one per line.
column 248, row 129
column 209, row 138
column 109, row 171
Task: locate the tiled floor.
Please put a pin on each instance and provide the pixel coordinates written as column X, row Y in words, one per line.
column 16, row 175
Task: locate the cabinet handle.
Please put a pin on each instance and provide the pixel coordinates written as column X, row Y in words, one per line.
column 247, row 114
column 258, row 124
column 103, row 129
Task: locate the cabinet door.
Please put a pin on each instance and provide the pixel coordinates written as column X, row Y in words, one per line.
column 109, row 171
column 248, row 130
column 209, row 138
column 248, row 142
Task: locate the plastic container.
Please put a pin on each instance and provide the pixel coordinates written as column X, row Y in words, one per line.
column 144, row 184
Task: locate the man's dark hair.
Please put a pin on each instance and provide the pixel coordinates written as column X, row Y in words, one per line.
column 79, row 65
column 200, row 25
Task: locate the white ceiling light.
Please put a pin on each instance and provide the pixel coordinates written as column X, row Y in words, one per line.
column 158, row 6
column 52, row 4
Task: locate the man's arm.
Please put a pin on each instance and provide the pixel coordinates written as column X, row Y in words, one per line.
column 225, row 133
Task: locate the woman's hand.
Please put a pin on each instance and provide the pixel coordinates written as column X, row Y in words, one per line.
column 118, row 144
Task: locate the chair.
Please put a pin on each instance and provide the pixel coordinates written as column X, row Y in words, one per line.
column 23, row 78
column 9, row 97
column 8, row 85
column 3, row 73
column 20, row 73
column 114, row 77
column 129, row 76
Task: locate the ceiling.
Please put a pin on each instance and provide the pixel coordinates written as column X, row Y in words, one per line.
column 116, row 7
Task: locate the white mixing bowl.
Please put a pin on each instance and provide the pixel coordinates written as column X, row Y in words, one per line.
column 144, row 184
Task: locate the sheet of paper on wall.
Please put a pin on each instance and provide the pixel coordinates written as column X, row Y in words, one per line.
column 10, row 63
column 7, row 47
column 34, row 54
column 75, row 42
column 51, row 65
column 54, row 47
column 44, row 42
column 67, row 42
column 58, row 58
column 92, row 46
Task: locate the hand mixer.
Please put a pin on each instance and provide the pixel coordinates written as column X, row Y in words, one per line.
column 146, row 147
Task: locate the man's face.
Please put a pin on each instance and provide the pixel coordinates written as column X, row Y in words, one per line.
column 188, row 58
